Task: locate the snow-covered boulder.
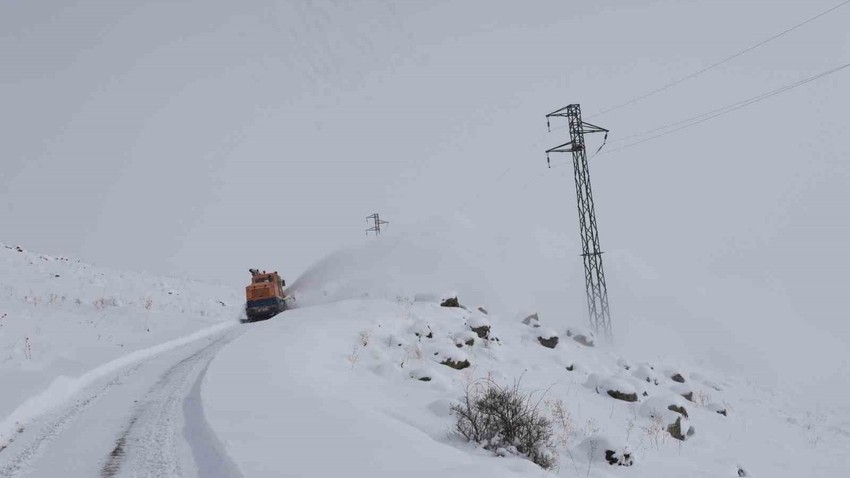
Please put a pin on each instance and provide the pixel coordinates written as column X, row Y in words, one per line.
column 437, row 298
column 572, row 367
column 664, row 406
column 465, row 338
column 683, row 390
column 422, row 329
column 547, row 337
column 532, row 320
column 421, row 373
column 717, row 408
column 616, row 388
column 681, row 429
column 445, row 299
column 581, row 336
column 599, row 449
column 451, row 357
column 480, row 325
column 450, row 302
column 619, row 458
column 645, row 373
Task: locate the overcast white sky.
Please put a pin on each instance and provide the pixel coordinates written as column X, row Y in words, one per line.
column 200, row 138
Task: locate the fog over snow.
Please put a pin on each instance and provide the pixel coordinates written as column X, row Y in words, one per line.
column 200, row 138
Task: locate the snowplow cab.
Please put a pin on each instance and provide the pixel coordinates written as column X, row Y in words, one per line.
column 265, row 296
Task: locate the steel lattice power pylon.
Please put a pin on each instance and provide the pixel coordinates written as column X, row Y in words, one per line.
column 378, row 222
column 594, row 275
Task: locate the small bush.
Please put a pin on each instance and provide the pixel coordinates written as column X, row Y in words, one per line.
column 103, row 302
column 505, row 420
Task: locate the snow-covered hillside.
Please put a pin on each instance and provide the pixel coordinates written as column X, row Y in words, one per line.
column 127, row 374
column 60, row 319
column 366, row 385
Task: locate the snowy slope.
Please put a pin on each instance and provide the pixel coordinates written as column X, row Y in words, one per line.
column 62, row 320
column 336, row 388
column 355, row 379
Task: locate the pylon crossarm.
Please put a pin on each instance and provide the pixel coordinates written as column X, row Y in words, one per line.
column 592, row 128
column 559, row 112
column 563, row 148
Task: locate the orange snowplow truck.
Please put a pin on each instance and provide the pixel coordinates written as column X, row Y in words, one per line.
column 265, row 297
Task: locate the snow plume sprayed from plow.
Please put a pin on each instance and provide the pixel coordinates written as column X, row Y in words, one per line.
column 658, row 311
column 510, row 272
column 389, row 268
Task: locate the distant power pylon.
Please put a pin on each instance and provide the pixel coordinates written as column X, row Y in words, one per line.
column 377, row 221
column 594, row 275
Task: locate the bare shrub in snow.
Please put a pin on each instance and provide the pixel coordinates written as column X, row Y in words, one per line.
column 505, row 420
column 656, row 430
column 567, row 428
column 629, row 427
column 563, row 419
column 148, row 303
column 354, row 357
column 104, row 302
column 364, row 338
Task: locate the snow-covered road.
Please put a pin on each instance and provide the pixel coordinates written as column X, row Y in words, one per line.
column 144, row 420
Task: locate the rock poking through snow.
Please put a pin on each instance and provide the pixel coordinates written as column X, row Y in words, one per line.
column 483, row 331
column 457, row 365
column 551, row 342
column 618, row 458
column 547, row 337
column 717, row 408
column 618, row 388
column 678, row 409
column 480, row 326
column 422, row 329
column 450, row 302
column 680, row 429
column 532, row 320
column 684, row 391
column 584, row 338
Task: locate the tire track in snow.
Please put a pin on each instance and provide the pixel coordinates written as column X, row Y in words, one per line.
column 55, row 425
column 150, row 444
column 58, row 394
column 211, row 458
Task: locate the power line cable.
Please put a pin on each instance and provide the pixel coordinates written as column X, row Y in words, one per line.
column 727, row 107
column 695, row 120
column 714, row 65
